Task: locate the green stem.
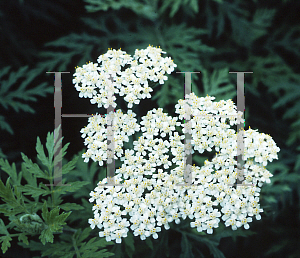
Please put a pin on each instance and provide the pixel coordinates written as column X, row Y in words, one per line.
column 69, row 229
column 75, row 246
column 14, row 235
column 52, row 193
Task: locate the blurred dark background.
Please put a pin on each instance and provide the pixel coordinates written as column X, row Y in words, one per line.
column 211, row 36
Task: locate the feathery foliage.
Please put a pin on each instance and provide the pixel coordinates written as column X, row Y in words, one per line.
column 27, row 206
column 210, row 36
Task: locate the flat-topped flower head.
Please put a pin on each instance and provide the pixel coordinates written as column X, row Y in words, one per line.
column 119, row 73
column 158, row 201
column 154, row 192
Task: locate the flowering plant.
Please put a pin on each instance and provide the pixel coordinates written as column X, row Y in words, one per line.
column 153, row 192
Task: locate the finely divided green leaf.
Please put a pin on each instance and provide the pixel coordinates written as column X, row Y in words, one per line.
column 5, row 243
column 34, row 191
column 54, row 221
column 41, row 155
column 70, row 187
column 3, row 230
column 218, row 84
column 13, row 200
column 11, row 171
column 5, row 126
column 70, row 206
column 34, row 168
column 22, row 237
column 69, row 166
column 29, row 177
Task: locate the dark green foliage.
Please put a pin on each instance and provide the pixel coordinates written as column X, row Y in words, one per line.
column 211, row 36
column 15, row 98
column 27, row 207
column 78, row 245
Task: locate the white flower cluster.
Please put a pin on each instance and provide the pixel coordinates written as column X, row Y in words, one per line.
column 154, row 192
column 151, row 196
column 130, row 76
column 95, row 134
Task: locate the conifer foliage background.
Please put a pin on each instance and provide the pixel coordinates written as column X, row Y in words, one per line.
column 211, row 36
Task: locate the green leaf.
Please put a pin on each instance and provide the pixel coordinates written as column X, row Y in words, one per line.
column 3, row 230
column 179, row 4
column 129, row 244
column 81, row 215
column 175, row 8
column 29, row 223
column 69, row 166
column 29, row 177
column 149, row 243
column 46, row 236
column 218, row 84
column 83, row 234
column 222, row 232
column 270, row 199
column 194, row 5
column 85, row 172
column 22, row 237
column 186, row 248
column 41, row 154
column 9, row 97
column 13, row 200
column 33, row 168
column 144, row 8
column 35, row 246
column 5, row 243
column 72, row 187
column 5, row 126
column 54, row 221
column 214, row 250
column 210, row 243
column 13, row 77
column 71, row 206
column 50, row 146
column 263, row 18
column 2, row 155
column 4, row 71
column 91, row 248
column 34, row 191
column 77, row 44
column 11, row 171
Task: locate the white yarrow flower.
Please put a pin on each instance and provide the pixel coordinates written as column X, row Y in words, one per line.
column 150, row 196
